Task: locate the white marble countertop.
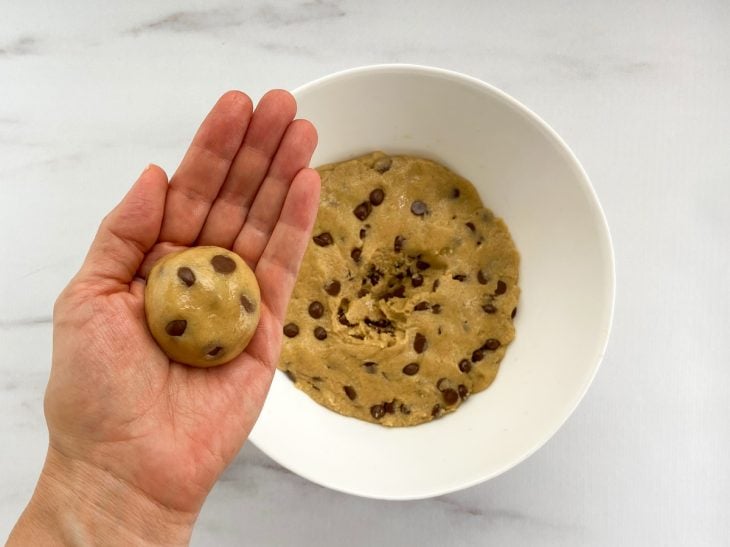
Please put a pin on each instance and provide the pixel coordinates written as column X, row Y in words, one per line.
column 90, row 94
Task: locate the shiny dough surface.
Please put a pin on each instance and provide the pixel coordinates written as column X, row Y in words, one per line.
column 202, row 305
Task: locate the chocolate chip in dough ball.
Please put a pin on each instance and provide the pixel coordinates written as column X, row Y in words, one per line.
column 377, row 196
column 382, row 165
column 202, row 305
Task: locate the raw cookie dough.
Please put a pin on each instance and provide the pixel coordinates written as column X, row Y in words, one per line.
column 202, row 305
column 405, row 300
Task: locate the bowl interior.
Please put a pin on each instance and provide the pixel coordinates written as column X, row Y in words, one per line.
column 526, row 175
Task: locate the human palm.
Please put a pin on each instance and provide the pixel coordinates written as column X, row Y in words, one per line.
column 114, row 400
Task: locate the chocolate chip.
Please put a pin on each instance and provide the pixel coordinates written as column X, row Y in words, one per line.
column 477, row 355
column 482, row 278
column 464, row 365
column 421, row 306
column 459, row 277
column 443, row 384
column 320, row 333
column 405, row 409
column 247, row 304
column 389, row 407
column 379, row 324
column 400, row 292
column 223, row 264
column 363, row 233
column 362, row 211
column 341, row 317
column 410, row 369
column 383, row 164
column 290, row 375
column 324, row 239
column 514, row 312
column 436, row 410
column 436, row 309
column 186, row 275
column 450, row 396
column 455, row 193
column 377, row 196
column 316, row 309
column 420, row 343
column 422, row 265
column 377, row 411
column 350, row 392
column 471, row 226
column 356, row 253
column 215, row 351
column 489, row 308
column 374, row 276
column 398, row 243
column 332, row 288
column 291, row 330
column 418, row 208
column 417, row 280
column 370, row 367
column 176, row 327
column 363, row 292
column 463, row 392
column 501, row 287
column 492, row 344
column 435, row 285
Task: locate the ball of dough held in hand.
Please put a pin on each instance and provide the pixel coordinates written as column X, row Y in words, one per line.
column 202, row 305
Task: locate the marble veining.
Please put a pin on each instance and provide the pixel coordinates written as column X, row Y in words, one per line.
column 24, row 45
column 25, row 322
column 268, row 14
column 638, row 90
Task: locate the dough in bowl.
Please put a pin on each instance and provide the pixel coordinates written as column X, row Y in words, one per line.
column 202, row 305
column 404, row 304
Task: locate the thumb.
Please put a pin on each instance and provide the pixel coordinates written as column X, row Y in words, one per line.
column 128, row 232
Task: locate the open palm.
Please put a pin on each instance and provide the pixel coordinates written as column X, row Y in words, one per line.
column 116, row 402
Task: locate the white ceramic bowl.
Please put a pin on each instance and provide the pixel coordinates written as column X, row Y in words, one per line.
column 527, row 175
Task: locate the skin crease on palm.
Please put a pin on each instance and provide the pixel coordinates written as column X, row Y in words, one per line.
column 136, row 441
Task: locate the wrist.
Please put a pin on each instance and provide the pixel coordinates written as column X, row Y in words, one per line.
column 78, row 503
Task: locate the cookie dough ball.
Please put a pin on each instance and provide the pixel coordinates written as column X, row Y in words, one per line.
column 202, row 305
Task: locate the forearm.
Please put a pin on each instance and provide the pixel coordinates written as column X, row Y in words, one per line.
column 78, row 504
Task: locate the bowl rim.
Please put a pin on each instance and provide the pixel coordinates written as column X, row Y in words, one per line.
column 584, row 180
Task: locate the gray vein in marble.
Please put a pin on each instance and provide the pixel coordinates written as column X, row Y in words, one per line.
column 494, row 515
column 585, row 68
column 24, row 45
column 287, row 49
column 270, row 15
column 317, row 10
column 42, row 268
column 190, row 21
column 25, row 322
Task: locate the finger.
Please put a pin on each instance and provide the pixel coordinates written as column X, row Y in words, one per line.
column 204, row 168
column 278, row 266
column 293, row 155
column 273, row 115
column 129, row 231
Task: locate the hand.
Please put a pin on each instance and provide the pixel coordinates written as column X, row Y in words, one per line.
column 136, row 441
